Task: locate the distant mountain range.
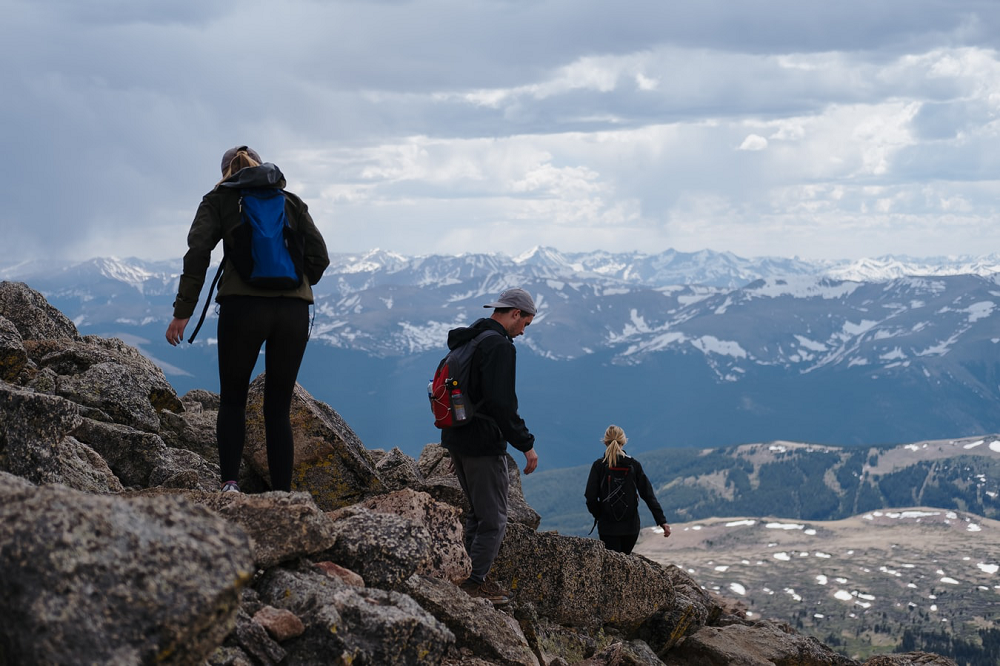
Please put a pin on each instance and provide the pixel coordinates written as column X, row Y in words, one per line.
column 681, row 349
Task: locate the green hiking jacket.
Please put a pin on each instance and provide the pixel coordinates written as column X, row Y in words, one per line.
column 216, row 218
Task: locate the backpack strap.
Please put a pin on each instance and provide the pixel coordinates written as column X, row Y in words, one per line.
column 476, row 413
column 208, row 301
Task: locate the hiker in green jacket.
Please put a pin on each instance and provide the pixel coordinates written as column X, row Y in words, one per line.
column 615, row 483
column 251, row 316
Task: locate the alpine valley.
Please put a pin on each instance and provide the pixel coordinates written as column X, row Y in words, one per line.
column 702, row 350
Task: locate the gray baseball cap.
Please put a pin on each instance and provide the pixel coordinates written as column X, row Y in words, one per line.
column 231, row 153
column 514, row 298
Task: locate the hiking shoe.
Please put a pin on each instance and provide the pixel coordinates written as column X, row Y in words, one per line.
column 488, row 590
column 230, row 487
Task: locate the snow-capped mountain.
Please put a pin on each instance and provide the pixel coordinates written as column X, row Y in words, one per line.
column 681, row 348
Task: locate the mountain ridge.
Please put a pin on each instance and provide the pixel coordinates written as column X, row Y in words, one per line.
column 660, row 343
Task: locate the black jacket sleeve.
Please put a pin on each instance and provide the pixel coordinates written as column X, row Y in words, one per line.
column 593, row 491
column 646, row 493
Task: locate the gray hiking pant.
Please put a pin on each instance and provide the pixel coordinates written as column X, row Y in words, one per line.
column 485, row 483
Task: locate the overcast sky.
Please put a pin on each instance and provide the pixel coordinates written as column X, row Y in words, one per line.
column 818, row 129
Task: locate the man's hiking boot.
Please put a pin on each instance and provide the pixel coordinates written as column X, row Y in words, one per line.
column 230, row 487
column 487, row 590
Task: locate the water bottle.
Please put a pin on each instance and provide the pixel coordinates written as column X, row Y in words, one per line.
column 430, row 394
column 457, row 405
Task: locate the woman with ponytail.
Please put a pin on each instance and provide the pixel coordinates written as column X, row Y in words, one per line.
column 251, row 315
column 615, row 483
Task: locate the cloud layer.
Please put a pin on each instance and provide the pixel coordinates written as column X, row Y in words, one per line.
column 764, row 128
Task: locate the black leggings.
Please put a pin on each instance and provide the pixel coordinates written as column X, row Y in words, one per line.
column 245, row 324
column 622, row 543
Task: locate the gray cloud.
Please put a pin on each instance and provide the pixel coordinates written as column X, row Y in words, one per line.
column 507, row 123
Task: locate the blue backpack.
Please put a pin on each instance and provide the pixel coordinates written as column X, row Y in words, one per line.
column 265, row 251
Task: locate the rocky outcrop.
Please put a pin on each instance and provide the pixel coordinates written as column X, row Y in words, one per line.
column 112, row 580
column 753, row 644
column 117, row 548
column 447, row 558
column 346, row 624
column 32, row 316
column 331, row 463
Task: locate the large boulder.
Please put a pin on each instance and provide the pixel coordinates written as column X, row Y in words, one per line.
column 346, row 624
column 910, row 659
column 108, row 580
column 36, row 444
column 140, row 459
column 447, row 558
column 13, row 357
column 281, row 526
column 577, row 582
column 487, row 633
column 111, row 378
column 691, row 609
column 761, row 643
column 331, row 463
column 193, row 428
column 32, row 315
column 384, row 549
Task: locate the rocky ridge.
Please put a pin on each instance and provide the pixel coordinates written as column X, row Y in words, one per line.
column 116, row 548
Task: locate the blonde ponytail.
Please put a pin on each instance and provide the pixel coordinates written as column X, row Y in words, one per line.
column 614, row 441
column 241, row 160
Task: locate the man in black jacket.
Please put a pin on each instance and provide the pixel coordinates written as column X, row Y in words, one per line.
column 479, row 449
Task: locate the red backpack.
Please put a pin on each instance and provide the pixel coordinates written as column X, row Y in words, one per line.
column 449, row 390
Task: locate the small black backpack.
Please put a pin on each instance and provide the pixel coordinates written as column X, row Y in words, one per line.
column 619, row 492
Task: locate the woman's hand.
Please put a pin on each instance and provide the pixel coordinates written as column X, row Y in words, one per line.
column 175, row 331
column 666, row 530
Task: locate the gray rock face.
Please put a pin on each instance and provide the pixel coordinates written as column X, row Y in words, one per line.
column 35, row 443
column 96, row 579
column 346, row 624
column 692, row 608
column 490, row 634
column 398, row 470
column 193, row 429
column 754, row 644
column 447, row 558
column 13, row 357
column 385, row 549
column 113, row 378
column 32, row 315
column 132, row 454
column 331, row 463
column 282, row 526
column 577, row 582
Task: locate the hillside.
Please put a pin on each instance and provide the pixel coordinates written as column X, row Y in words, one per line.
column 858, row 584
column 794, row 480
